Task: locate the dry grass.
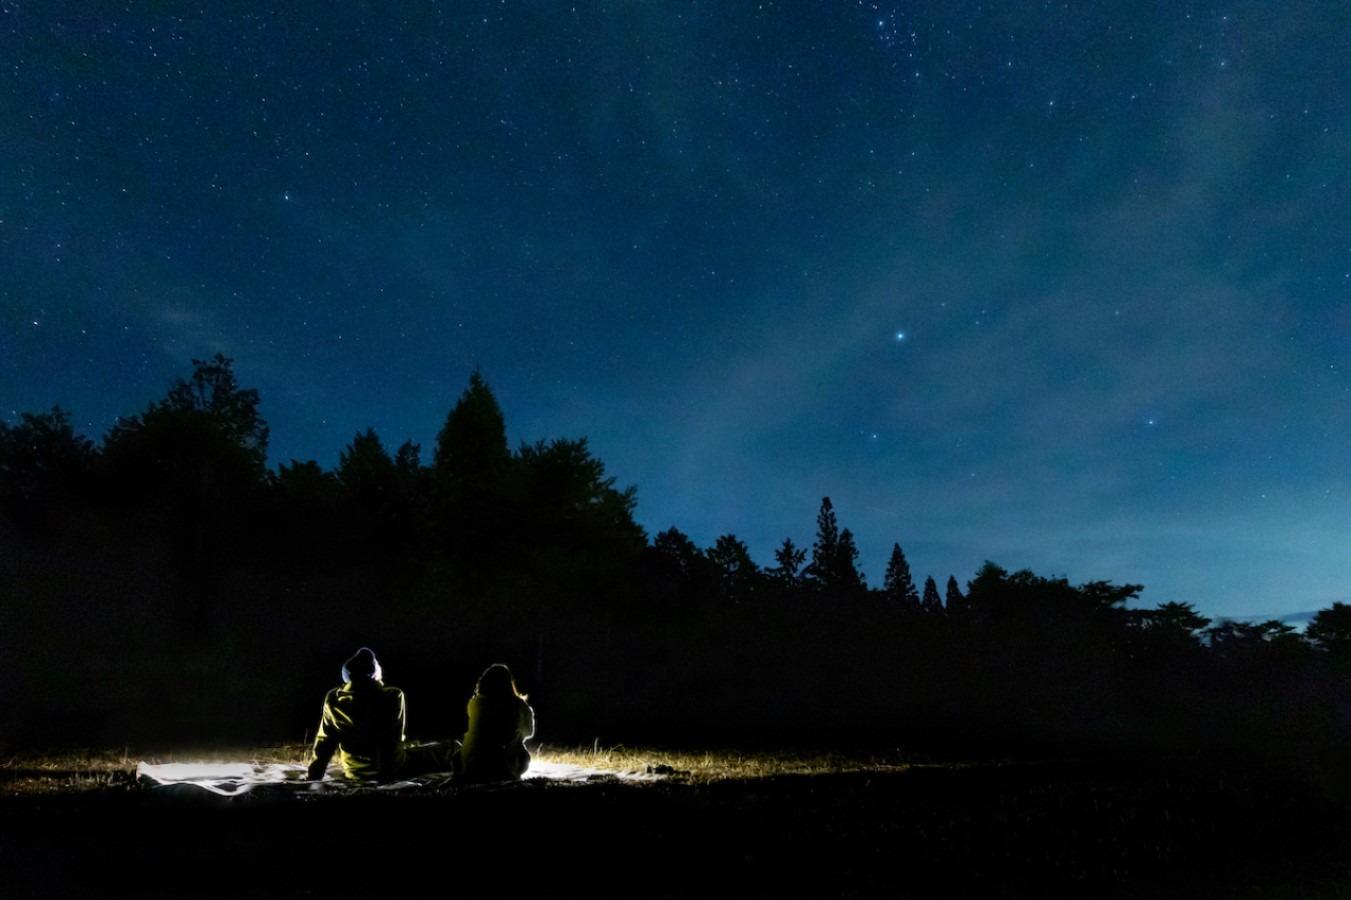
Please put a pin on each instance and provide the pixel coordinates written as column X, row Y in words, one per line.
column 709, row 766
column 66, row 772
column 80, row 771
column 88, row 770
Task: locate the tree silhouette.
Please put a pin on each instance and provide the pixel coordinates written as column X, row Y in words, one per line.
column 305, row 511
column 199, row 453
column 827, row 545
column 369, row 482
column 205, row 422
column 41, row 457
column 845, row 572
column 931, row 603
column 213, row 390
column 955, row 600
column 834, row 556
column 366, row 472
column 789, row 558
column 1330, row 631
column 1271, row 645
column 178, row 550
column 897, row 583
column 737, row 574
column 407, row 459
column 676, row 546
column 472, row 444
column 680, row 565
column 1178, row 620
column 570, row 502
column 469, row 474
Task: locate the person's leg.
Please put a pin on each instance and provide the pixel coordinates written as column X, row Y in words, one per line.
column 429, row 759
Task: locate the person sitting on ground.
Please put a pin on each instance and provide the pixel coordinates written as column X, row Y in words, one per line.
column 363, row 721
column 500, row 722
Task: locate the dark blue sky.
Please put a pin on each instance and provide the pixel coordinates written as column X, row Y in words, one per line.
column 1063, row 286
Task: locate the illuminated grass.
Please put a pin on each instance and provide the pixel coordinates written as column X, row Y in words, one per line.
column 88, row 770
column 91, row 770
column 78, row 771
column 710, row 766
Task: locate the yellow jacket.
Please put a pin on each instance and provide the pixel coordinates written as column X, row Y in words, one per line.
column 364, row 723
column 494, row 746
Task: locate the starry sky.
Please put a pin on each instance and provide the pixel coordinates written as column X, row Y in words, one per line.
column 1061, row 285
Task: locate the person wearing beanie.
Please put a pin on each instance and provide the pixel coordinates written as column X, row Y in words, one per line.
column 363, row 722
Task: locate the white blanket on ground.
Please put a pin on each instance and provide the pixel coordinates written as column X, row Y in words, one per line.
column 232, row 779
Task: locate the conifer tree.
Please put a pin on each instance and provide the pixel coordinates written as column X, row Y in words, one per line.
column 472, row 445
column 846, row 574
column 470, row 469
column 789, row 557
column 737, row 573
column 679, row 552
column 827, row 544
column 408, row 459
column 834, row 556
column 898, row 585
column 931, row 603
column 956, row 601
column 366, row 471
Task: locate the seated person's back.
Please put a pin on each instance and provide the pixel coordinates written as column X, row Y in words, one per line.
column 363, row 722
column 500, row 721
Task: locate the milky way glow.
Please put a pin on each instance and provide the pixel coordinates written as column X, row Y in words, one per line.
column 965, row 228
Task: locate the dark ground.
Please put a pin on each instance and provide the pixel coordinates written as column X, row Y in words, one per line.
column 1064, row 830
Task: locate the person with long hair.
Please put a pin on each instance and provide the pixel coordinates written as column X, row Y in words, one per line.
column 500, row 722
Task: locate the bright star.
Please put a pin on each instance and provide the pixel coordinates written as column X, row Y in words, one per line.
column 900, row 335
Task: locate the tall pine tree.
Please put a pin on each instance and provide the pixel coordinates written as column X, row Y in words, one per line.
column 847, row 575
column 470, row 470
column 472, row 445
column 834, row 555
column 956, row 602
column 931, row 603
column 897, row 583
column 827, row 543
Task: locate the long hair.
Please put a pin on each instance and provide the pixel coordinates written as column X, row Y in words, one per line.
column 496, row 683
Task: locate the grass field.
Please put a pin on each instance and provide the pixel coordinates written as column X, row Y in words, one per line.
column 756, row 824
column 75, row 771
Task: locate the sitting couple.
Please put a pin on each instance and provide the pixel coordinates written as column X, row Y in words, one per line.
column 363, row 722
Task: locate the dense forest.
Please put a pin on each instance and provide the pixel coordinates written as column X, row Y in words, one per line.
column 166, row 587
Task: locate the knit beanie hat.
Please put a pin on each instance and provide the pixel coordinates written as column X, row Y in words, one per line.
column 363, row 664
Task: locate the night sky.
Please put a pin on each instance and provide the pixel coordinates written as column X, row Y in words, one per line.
column 1059, row 285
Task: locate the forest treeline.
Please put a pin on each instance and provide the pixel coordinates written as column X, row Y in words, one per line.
column 166, row 586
